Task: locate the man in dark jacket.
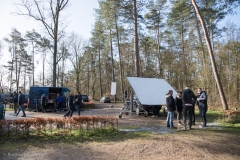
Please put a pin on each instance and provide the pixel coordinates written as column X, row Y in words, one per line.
column 202, row 102
column 187, row 98
column 15, row 102
column 21, row 99
column 78, row 102
column 70, row 105
column 170, row 103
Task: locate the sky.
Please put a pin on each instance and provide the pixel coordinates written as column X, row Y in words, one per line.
column 80, row 20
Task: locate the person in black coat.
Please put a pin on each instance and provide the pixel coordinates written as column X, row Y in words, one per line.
column 70, row 105
column 170, row 103
column 202, row 102
column 21, row 100
column 179, row 106
column 78, row 102
column 187, row 98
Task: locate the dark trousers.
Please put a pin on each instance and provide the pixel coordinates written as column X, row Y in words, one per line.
column 78, row 106
column 69, row 112
column 193, row 113
column 59, row 106
column 203, row 111
column 179, row 116
column 187, row 110
column 21, row 107
column 155, row 110
column 43, row 108
column 15, row 107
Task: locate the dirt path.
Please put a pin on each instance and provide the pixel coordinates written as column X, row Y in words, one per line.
column 169, row 146
column 195, row 145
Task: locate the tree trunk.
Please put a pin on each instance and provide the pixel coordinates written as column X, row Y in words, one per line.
column 184, row 57
column 112, row 60
column 55, row 56
column 215, row 72
column 203, row 52
column 33, row 71
column 120, row 58
column 137, row 66
column 99, row 67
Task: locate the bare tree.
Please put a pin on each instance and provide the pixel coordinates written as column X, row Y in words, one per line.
column 215, row 72
column 76, row 50
column 48, row 13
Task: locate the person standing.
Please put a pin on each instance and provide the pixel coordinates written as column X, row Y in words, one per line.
column 202, row 102
column 179, row 106
column 78, row 102
column 187, row 97
column 21, row 99
column 43, row 103
column 170, row 103
column 59, row 102
column 70, row 105
column 15, row 102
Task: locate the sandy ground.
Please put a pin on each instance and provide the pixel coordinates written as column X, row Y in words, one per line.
column 195, row 144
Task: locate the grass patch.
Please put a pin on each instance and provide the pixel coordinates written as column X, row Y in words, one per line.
column 9, row 109
column 75, row 137
column 230, row 125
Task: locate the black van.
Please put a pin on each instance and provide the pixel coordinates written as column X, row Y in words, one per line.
column 35, row 93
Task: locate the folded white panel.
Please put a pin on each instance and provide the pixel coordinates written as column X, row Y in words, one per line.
column 151, row 91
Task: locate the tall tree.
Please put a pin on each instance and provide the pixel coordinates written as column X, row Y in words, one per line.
column 48, row 13
column 43, row 46
column 17, row 50
column 33, row 37
column 98, row 43
column 76, row 50
column 215, row 72
column 155, row 22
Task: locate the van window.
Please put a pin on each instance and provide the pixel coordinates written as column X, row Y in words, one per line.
column 65, row 92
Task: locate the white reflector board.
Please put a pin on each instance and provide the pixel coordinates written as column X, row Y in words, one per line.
column 113, row 88
column 151, row 91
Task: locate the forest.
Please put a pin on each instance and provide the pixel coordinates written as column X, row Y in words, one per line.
column 145, row 38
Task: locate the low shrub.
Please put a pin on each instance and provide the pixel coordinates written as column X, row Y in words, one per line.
column 88, row 105
column 53, row 126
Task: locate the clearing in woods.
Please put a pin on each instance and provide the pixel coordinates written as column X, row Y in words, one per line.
column 211, row 143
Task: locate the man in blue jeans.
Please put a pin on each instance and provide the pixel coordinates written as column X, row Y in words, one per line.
column 21, row 99
column 170, row 103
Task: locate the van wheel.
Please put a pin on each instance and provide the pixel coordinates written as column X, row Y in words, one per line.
column 145, row 114
column 120, row 116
